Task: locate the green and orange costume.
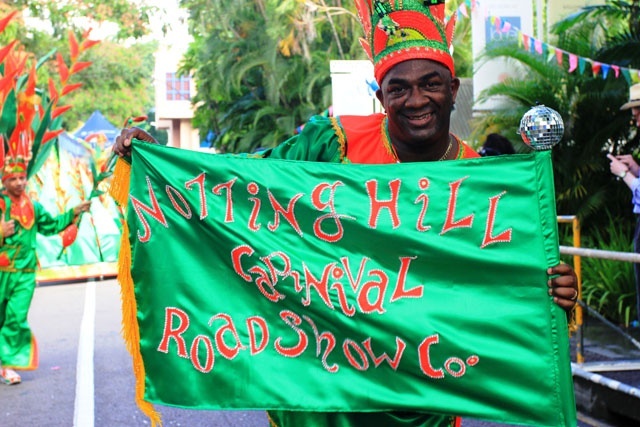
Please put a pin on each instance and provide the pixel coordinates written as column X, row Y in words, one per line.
column 362, row 140
column 18, row 263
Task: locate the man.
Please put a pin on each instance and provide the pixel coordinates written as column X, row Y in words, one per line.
column 409, row 47
column 21, row 220
column 626, row 168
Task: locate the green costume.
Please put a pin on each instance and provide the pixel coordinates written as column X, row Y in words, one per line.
column 18, row 263
column 350, row 139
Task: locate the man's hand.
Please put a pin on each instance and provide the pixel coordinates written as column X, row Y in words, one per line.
column 563, row 287
column 8, row 227
column 628, row 160
column 122, row 146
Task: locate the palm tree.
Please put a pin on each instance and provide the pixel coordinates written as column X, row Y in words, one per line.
column 589, row 105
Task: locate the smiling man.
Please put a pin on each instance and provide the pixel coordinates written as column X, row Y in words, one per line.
column 409, row 45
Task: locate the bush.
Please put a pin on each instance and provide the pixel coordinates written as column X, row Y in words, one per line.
column 608, row 286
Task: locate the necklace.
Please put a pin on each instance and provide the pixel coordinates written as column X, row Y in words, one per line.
column 391, row 150
column 446, row 153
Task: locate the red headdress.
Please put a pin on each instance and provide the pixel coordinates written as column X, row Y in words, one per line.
column 400, row 30
column 16, row 151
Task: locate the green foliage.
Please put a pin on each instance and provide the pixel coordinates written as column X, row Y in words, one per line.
column 118, row 83
column 262, row 68
column 589, row 105
column 594, row 126
column 462, row 52
column 131, row 18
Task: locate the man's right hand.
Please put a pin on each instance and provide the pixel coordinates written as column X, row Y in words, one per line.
column 122, row 146
column 8, row 227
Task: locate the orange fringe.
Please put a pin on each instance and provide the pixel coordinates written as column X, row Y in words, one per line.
column 119, row 190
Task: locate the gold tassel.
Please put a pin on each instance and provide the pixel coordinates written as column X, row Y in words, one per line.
column 130, row 330
column 119, row 188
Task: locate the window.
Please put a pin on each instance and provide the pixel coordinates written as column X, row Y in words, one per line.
column 178, row 87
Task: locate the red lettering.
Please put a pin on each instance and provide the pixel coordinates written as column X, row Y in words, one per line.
column 255, row 210
column 363, row 363
column 367, row 287
column 236, row 254
column 264, row 284
column 229, row 352
column 331, row 344
column 183, row 210
column 199, row 180
column 424, row 199
column 425, row 358
column 347, row 309
column 505, row 236
column 399, row 291
column 217, row 190
column 258, row 322
column 293, row 320
column 316, row 195
column 354, row 283
column 155, row 212
column 284, row 272
column 377, row 360
column 450, row 223
column 209, row 356
column 287, row 214
column 321, row 286
column 378, row 205
column 175, row 333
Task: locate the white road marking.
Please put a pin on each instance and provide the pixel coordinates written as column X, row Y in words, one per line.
column 83, row 415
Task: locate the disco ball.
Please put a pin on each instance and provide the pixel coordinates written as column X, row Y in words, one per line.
column 541, row 128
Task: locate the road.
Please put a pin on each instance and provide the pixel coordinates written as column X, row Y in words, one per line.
column 85, row 375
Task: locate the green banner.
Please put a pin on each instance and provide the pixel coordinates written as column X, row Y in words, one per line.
column 275, row 284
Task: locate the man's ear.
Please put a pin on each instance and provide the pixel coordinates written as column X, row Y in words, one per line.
column 379, row 96
column 455, row 85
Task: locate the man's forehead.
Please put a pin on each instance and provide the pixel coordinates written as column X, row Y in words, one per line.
column 421, row 68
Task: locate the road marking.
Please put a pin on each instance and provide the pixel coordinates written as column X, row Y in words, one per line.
column 83, row 415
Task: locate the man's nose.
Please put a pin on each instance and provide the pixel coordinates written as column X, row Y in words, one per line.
column 416, row 98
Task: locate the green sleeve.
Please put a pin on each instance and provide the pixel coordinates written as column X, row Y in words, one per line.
column 317, row 142
column 48, row 224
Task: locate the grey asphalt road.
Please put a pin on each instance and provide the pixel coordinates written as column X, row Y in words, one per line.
column 85, row 376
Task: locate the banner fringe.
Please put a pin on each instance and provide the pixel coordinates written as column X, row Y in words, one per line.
column 119, row 190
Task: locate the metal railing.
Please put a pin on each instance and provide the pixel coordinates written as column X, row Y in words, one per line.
column 577, row 251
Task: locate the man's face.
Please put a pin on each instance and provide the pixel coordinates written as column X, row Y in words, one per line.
column 418, row 96
column 635, row 113
column 15, row 185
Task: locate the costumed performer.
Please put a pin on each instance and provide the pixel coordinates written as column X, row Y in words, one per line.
column 21, row 218
column 409, row 44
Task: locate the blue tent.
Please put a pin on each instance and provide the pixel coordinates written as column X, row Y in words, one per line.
column 97, row 123
column 71, row 144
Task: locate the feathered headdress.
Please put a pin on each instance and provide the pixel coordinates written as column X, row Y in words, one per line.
column 29, row 118
column 400, row 30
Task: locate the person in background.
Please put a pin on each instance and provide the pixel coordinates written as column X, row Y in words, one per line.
column 496, row 145
column 418, row 89
column 20, row 220
column 626, row 168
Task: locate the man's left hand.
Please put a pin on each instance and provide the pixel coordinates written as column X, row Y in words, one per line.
column 564, row 286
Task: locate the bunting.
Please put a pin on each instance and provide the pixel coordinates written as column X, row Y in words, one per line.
column 576, row 63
